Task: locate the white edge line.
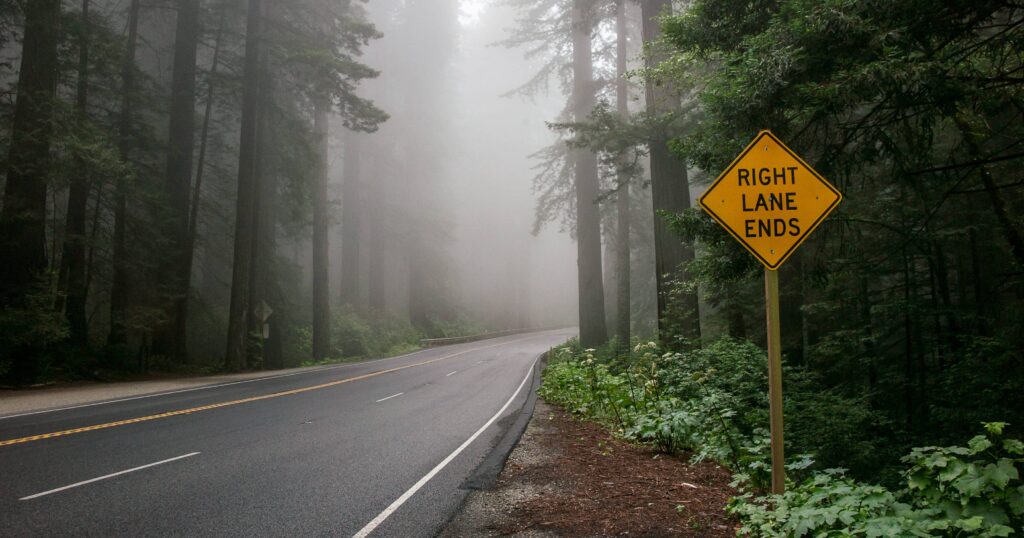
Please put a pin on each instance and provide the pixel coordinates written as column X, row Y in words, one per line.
column 111, row 475
column 453, row 372
column 366, row 530
column 214, row 386
column 389, row 397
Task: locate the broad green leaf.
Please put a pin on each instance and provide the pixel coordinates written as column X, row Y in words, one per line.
column 971, row 483
column 1001, row 472
column 979, row 444
column 1013, row 446
column 952, row 471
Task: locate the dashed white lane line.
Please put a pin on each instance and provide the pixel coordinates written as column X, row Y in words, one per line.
column 366, row 530
column 453, row 372
column 389, row 397
column 111, row 475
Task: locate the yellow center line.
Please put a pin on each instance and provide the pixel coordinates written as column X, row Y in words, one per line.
column 191, row 410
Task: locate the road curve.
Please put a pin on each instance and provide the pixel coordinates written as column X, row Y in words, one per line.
column 377, row 448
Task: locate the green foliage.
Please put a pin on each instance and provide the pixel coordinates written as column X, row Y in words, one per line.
column 354, row 336
column 33, row 329
column 828, row 504
column 711, row 403
column 973, row 490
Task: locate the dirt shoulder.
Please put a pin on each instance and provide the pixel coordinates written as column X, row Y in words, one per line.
column 16, row 401
column 572, row 478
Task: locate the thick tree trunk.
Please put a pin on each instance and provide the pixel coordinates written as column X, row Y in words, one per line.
column 119, row 283
column 171, row 338
column 593, row 331
column 376, row 285
column 265, row 279
column 376, row 293
column 669, row 189
column 238, row 315
column 321, row 226
column 197, row 187
column 71, row 282
column 263, row 288
column 23, row 221
column 622, row 294
column 351, row 203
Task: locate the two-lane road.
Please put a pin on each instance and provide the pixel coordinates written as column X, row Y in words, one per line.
column 376, row 448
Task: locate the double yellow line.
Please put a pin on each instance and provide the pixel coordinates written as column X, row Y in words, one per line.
column 191, row 410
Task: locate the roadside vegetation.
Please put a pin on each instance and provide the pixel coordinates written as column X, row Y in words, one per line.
column 844, row 478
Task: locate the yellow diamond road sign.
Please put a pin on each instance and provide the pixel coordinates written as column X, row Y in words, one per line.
column 770, row 200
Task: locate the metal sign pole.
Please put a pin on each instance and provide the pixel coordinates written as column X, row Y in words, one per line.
column 771, row 300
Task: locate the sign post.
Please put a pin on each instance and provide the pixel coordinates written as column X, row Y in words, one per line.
column 263, row 313
column 770, row 200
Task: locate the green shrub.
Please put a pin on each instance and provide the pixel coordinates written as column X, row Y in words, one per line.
column 959, row 491
column 712, row 403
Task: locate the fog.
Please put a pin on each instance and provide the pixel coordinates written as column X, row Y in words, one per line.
column 238, row 184
column 474, row 203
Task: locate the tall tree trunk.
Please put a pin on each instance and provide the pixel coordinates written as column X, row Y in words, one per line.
column 261, row 288
column 669, row 187
column 321, row 227
column 119, row 283
column 622, row 202
column 197, row 187
column 23, row 221
column 238, row 315
column 610, row 273
column 351, row 202
column 376, row 284
column 265, row 285
column 593, row 331
column 170, row 340
column 376, row 292
column 119, row 280
column 71, row 282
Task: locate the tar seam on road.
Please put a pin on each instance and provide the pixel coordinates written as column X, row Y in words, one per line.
column 366, row 530
column 389, row 397
column 241, row 401
column 111, row 475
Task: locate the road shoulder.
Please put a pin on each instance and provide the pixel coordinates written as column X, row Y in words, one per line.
column 570, row 477
column 31, row 400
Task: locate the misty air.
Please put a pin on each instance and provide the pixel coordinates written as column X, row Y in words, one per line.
column 460, row 268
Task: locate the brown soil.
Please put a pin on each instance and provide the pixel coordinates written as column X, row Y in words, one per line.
column 572, row 478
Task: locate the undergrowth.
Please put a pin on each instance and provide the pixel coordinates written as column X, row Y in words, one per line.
column 712, row 403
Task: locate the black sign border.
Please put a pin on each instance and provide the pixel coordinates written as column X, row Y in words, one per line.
column 814, row 226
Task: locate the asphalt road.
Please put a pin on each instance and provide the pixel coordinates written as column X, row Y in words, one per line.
column 378, row 447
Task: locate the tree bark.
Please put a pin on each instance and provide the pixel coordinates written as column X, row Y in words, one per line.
column 71, row 281
column 119, row 282
column 669, row 188
column 170, row 340
column 197, row 187
column 265, row 279
column 351, row 202
column 321, row 227
column 622, row 202
column 23, row 221
column 593, row 331
column 238, row 315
